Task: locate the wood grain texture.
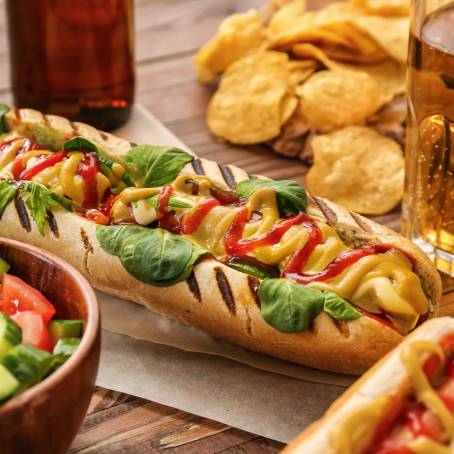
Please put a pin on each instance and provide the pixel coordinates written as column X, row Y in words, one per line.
column 168, row 32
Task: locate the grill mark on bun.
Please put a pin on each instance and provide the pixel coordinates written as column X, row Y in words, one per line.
column 53, row 223
column 22, row 213
column 85, row 240
column 88, row 248
column 229, row 178
column 104, row 136
column 362, row 224
column 198, row 167
column 46, row 121
column 254, row 284
column 17, row 114
column 342, row 328
column 74, row 128
column 226, row 291
column 311, row 203
column 326, row 210
column 248, row 321
column 194, row 287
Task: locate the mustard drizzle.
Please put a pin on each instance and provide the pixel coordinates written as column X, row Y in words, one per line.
column 61, row 178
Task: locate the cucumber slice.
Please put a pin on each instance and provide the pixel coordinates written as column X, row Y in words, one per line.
column 66, row 347
column 63, row 349
column 60, row 329
column 4, row 267
column 28, row 364
column 10, row 334
column 8, row 383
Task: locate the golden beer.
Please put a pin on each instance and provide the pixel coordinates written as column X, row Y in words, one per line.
column 428, row 210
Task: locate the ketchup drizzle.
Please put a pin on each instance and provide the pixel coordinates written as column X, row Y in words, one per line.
column 301, row 257
column 88, row 170
column 18, row 164
column 163, row 201
column 191, row 221
column 106, row 207
column 43, row 163
column 236, row 245
column 337, row 265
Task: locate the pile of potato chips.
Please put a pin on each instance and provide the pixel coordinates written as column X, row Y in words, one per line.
column 317, row 85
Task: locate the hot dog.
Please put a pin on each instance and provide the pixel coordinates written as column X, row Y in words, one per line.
column 402, row 405
column 256, row 262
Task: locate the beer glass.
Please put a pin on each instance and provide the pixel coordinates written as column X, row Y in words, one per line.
column 73, row 58
column 428, row 209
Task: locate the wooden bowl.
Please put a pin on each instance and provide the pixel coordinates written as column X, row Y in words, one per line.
column 47, row 417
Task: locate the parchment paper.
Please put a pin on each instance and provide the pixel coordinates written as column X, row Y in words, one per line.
column 150, row 356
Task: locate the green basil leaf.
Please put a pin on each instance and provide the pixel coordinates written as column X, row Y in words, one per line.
column 41, row 200
column 7, row 193
column 157, row 258
column 112, row 238
column 197, row 252
column 153, row 256
column 157, row 165
column 247, row 268
column 3, row 110
column 287, row 306
column 173, row 202
column 79, row 143
column 291, row 196
column 339, row 308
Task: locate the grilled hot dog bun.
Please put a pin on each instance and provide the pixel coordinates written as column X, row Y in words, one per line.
column 216, row 298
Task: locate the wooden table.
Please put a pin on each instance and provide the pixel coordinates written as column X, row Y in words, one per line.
column 168, row 34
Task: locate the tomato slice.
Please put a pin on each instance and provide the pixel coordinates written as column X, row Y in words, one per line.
column 446, row 392
column 431, row 366
column 34, row 331
column 424, row 422
column 98, row 217
column 18, row 296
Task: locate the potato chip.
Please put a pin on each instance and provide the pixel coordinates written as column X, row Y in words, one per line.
column 254, row 99
column 270, row 8
column 288, row 106
column 389, row 74
column 239, row 35
column 384, row 7
column 345, row 32
column 287, row 16
column 294, row 139
column 352, row 46
column 300, row 70
column 357, row 168
column 313, row 23
column 391, row 33
column 331, row 100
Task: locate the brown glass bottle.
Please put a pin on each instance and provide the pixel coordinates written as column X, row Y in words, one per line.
column 73, row 58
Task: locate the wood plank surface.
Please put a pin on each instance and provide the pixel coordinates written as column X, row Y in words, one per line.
column 168, row 32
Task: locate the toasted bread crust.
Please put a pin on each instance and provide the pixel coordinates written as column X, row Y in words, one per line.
column 216, row 298
column 387, row 377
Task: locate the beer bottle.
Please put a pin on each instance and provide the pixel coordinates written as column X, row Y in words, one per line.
column 73, row 58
